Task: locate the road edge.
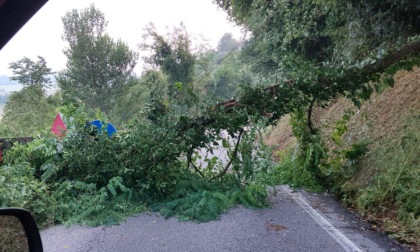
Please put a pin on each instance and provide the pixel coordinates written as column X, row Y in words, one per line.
column 338, row 236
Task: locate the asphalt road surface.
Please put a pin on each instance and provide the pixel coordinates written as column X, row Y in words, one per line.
column 295, row 221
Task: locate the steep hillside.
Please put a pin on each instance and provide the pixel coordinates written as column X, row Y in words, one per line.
column 384, row 184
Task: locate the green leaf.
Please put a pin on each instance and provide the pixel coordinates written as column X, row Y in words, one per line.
column 49, row 170
column 112, row 190
column 225, row 143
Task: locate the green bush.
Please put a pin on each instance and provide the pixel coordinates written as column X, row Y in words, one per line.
column 37, row 153
column 20, row 188
column 90, row 178
column 144, row 154
column 289, row 171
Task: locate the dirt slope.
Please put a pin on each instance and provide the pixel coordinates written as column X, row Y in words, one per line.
column 378, row 117
column 387, row 120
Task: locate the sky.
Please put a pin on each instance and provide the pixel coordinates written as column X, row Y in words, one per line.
column 127, row 19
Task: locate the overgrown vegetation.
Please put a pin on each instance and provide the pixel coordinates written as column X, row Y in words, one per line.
column 392, row 198
column 301, row 55
column 30, row 110
column 371, row 167
column 90, row 178
column 315, row 52
column 87, row 177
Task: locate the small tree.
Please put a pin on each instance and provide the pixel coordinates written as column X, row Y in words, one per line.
column 31, row 73
column 29, row 110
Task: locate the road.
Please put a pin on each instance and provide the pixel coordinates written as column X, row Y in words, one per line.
column 295, row 221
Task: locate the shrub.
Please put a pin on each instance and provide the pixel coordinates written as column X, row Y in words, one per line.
column 19, row 188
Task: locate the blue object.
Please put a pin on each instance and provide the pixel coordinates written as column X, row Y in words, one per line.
column 109, row 128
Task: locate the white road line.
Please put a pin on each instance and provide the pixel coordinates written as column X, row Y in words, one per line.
column 345, row 242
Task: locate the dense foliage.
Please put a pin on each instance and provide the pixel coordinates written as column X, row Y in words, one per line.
column 30, row 73
column 325, row 47
column 30, row 110
column 172, row 54
column 310, row 52
column 314, row 51
column 98, row 67
column 90, row 178
column 301, row 53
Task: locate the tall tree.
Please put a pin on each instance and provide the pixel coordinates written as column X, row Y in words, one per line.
column 227, row 43
column 172, row 53
column 31, row 73
column 98, row 67
column 225, row 80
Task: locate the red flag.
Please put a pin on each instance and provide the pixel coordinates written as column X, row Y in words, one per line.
column 59, row 127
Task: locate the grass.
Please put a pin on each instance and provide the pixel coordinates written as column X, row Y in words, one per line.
column 393, row 196
column 12, row 235
column 384, row 183
column 289, row 172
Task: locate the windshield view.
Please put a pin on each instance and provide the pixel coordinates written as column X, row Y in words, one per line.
column 264, row 121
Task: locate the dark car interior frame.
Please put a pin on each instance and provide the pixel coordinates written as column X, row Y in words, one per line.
column 14, row 14
column 29, row 225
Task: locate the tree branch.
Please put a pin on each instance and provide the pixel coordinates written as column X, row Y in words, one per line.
column 189, row 154
column 229, row 106
column 393, row 58
column 231, row 159
column 310, row 116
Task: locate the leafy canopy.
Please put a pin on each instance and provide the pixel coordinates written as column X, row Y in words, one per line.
column 316, row 50
column 172, row 54
column 30, row 110
column 98, row 67
column 31, row 73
